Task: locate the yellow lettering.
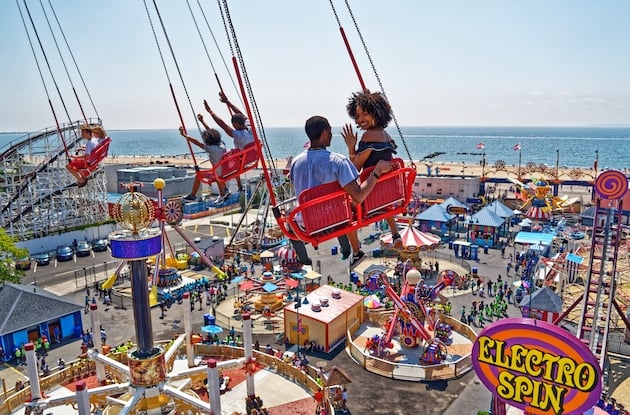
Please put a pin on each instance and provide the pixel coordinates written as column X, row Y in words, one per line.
column 502, row 360
column 505, row 389
column 486, row 345
column 584, row 377
column 518, row 358
column 549, row 360
column 549, row 396
column 532, row 362
column 524, row 387
column 566, row 368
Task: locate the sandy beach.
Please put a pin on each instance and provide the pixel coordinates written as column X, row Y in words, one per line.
column 437, row 168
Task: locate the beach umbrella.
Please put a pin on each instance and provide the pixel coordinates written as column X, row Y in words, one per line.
column 372, row 301
column 212, row 329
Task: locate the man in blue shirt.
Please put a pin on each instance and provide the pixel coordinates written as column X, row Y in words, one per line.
column 318, row 165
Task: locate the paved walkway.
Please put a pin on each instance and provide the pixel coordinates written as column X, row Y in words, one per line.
column 460, row 396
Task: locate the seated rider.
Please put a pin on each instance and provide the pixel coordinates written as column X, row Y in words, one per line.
column 77, row 166
column 318, row 165
column 240, row 129
column 215, row 147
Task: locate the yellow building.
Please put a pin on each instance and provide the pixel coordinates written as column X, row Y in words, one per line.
column 324, row 319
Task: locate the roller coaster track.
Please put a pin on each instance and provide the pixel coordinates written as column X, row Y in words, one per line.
column 38, row 196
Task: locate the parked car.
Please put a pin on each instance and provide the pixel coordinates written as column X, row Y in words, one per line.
column 43, row 259
column 99, row 245
column 84, row 248
column 23, row 264
column 65, row 253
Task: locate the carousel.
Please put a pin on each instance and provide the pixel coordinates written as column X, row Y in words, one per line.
column 413, row 243
column 265, row 293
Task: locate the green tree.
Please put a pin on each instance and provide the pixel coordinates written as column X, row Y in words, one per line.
column 8, row 252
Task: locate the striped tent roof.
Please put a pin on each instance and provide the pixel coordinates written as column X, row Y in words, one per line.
column 413, row 240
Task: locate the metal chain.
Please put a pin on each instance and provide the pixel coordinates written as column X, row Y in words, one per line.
column 378, row 79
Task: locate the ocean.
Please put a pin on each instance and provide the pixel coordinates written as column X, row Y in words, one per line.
column 574, row 146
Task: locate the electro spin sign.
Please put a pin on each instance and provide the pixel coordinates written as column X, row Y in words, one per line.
column 537, row 367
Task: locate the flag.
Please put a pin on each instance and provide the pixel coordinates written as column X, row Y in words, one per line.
column 517, row 146
column 481, row 146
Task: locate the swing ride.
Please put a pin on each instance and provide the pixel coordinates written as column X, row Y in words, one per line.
column 38, row 195
column 150, row 386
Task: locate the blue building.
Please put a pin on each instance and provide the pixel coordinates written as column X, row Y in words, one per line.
column 28, row 313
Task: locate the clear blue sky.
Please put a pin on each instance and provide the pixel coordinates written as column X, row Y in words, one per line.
column 494, row 62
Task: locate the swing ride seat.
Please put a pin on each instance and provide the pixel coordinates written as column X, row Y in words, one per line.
column 327, row 211
column 234, row 163
column 391, row 193
column 89, row 163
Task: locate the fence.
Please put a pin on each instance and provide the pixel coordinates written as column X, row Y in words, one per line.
column 83, row 368
column 409, row 372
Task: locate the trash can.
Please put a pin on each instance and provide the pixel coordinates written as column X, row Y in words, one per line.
column 450, row 244
column 474, row 251
column 209, row 320
column 354, row 277
column 376, row 253
column 485, row 249
column 334, row 250
column 474, row 270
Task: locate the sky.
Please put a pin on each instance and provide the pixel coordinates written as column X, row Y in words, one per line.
column 446, row 63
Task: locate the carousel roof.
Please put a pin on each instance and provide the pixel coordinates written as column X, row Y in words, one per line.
column 413, row 240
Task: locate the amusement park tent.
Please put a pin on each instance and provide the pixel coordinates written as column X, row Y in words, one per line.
column 413, row 240
column 327, row 327
column 451, row 201
column 336, row 376
column 533, row 238
column 487, row 217
column 544, row 304
column 500, row 209
column 434, row 217
column 483, row 228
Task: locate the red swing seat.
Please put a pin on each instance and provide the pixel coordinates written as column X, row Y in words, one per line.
column 327, row 211
column 391, row 192
column 88, row 164
column 234, row 163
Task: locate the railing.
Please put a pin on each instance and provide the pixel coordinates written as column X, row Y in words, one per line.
column 79, row 369
column 401, row 371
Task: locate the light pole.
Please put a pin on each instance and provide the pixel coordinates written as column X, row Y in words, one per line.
column 298, row 303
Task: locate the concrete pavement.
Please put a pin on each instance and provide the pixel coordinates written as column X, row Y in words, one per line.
column 459, row 396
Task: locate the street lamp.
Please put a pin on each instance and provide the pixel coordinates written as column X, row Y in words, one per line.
column 298, row 303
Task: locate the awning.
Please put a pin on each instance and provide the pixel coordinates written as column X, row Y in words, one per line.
column 291, row 283
column 575, row 258
column 533, row 238
column 270, row 287
column 247, row 285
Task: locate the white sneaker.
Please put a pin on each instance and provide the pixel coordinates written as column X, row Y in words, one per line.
column 222, row 198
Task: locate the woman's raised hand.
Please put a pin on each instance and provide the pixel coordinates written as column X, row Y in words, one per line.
column 350, row 137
